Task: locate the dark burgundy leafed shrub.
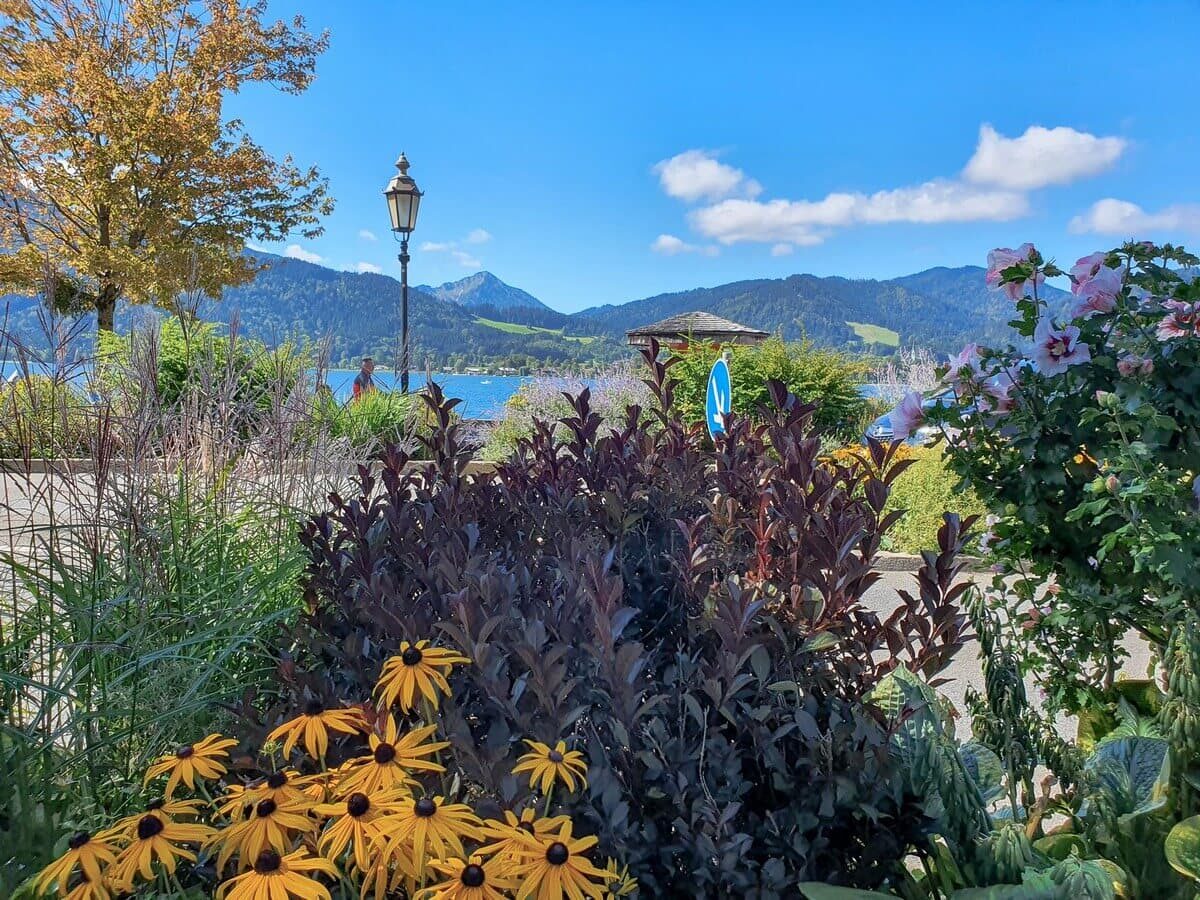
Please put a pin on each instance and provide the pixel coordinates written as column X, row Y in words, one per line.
column 690, row 618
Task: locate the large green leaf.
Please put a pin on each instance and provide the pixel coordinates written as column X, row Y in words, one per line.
column 815, row 890
column 1132, row 773
column 923, row 743
column 1182, row 847
column 985, row 769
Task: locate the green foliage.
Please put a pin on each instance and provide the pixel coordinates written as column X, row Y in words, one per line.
column 42, row 417
column 707, row 650
column 825, row 377
column 111, row 654
column 374, row 420
column 1183, row 848
column 516, row 328
column 190, row 358
column 925, row 492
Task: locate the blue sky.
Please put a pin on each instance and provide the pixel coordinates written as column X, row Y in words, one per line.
column 598, row 153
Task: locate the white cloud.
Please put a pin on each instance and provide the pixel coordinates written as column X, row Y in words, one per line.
column 295, row 251
column 697, row 175
column 782, row 250
column 466, row 260
column 807, row 222
column 436, row 246
column 368, row 267
column 669, row 245
column 479, row 236
column 250, row 245
column 1040, row 157
column 1120, row 217
column 367, row 235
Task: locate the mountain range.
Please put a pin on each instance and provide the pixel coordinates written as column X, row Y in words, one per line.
column 480, row 320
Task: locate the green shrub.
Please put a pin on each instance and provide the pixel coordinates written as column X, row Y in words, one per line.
column 192, row 358
column 926, row 491
column 42, row 418
column 373, row 420
column 815, row 375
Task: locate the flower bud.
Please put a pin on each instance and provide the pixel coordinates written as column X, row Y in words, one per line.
column 1112, row 483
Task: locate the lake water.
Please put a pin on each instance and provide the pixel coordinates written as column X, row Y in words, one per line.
column 483, row 396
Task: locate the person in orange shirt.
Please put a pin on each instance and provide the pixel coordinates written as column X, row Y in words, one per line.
column 363, row 382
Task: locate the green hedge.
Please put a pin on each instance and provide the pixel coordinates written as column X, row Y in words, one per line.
column 926, row 490
column 827, row 377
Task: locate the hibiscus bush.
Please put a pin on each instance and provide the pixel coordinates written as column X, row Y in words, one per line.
column 1083, row 438
column 690, row 620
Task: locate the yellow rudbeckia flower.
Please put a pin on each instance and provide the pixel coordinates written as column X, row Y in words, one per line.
column 87, row 853
column 430, row 827
column 469, row 879
column 270, row 826
column 313, row 727
column 555, row 867
column 549, row 765
column 190, row 761
column 362, row 823
column 156, row 838
column 276, row 877
column 418, row 669
column 392, row 761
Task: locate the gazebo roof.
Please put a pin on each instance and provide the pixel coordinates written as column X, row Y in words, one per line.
column 696, row 325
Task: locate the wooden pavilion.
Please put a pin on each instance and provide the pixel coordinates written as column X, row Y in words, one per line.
column 677, row 332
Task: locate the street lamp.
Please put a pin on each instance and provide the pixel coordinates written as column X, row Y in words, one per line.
column 403, row 199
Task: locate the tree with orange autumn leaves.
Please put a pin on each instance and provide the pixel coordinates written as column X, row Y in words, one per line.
column 118, row 173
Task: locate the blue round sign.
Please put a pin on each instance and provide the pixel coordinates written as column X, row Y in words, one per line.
column 718, row 401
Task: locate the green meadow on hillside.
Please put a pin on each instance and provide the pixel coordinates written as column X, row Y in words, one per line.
column 876, row 334
column 514, row 328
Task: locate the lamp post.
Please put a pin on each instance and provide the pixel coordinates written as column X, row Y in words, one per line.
column 403, row 199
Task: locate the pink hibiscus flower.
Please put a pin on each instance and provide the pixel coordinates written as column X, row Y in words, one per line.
column 1057, row 349
column 1005, row 258
column 965, row 367
column 1182, row 320
column 908, row 416
column 1085, row 268
column 997, row 396
column 1131, row 364
column 1096, row 294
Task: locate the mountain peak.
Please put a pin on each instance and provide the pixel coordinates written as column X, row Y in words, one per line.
column 483, row 289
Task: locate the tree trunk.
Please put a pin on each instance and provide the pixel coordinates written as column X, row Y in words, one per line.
column 106, row 305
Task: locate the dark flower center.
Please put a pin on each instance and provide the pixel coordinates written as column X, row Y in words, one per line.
column 557, row 853
column 384, row 754
column 148, row 827
column 357, row 804
column 411, row 656
column 265, row 808
column 78, row 840
column 425, row 807
column 276, row 780
column 314, row 708
column 267, row 862
column 472, row 876
column 155, row 804
column 555, row 757
column 526, row 826
column 185, row 751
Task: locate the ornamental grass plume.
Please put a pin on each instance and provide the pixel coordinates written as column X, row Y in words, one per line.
column 549, row 765
column 203, row 759
column 280, row 877
column 313, row 728
column 417, row 670
column 392, row 761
